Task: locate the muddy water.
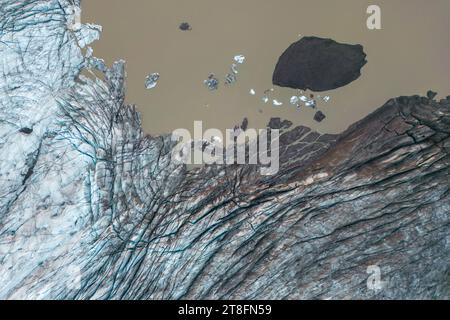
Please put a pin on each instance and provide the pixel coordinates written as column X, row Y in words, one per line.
column 410, row 55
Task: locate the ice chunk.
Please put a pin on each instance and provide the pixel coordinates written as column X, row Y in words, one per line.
column 267, row 93
column 277, row 103
column 212, row 83
column 303, row 98
column 295, row 100
column 234, row 68
column 239, row 59
column 152, row 80
column 310, row 103
column 230, row 78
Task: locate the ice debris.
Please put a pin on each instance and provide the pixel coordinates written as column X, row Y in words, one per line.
column 212, row 83
column 303, row 98
column 230, row 78
column 311, row 103
column 239, row 58
column 234, row 68
column 277, row 103
column 295, row 100
column 152, row 80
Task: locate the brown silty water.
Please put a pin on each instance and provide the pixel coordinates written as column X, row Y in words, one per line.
column 409, row 55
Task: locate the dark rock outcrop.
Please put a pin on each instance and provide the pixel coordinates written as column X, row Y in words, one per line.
column 184, row 26
column 431, row 94
column 26, row 130
column 319, row 64
column 244, row 124
column 277, row 123
column 319, row 116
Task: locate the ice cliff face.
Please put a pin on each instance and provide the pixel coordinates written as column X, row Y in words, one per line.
column 91, row 208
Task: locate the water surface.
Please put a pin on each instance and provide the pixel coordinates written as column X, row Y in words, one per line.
column 410, row 55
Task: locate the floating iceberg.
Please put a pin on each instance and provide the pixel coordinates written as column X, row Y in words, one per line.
column 295, row 100
column 239, row 59
column 310, row 103
column 234, row 68
column 230, row 78
column 152, row 80
column 303, row 98
column 277, row 103
column 212, row 82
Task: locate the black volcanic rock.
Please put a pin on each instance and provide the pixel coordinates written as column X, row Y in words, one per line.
column 244, row 125
column 26, row 130
column 277, row 123
column 319, row 116
column 185, row 26
column 319, row 65
column 431, row 94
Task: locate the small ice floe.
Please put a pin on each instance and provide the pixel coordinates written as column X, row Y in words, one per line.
column 267, row 94
column 310, row 103
column 239, row 58
column 252, row 92
column 152, row 80
column 303, row 98
column 295, row 100
column 326, row 98
column 234, row 68
column 277, row 103
column 212, row 83
column 230, row 78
